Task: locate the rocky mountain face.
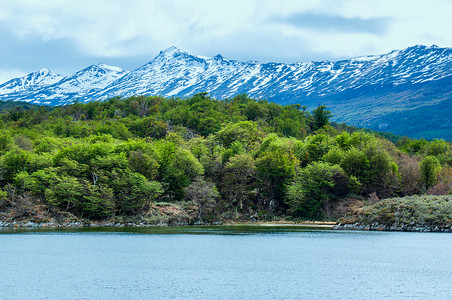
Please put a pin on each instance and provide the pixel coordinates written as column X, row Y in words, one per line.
column 372, row 91
column 30, row 82
column 46, row 88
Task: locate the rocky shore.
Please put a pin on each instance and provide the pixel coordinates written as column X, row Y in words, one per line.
column 396, row 227
column 81, row 224
column 41, row 216
column 415, row 213
column 338, row 226
column 427, row 213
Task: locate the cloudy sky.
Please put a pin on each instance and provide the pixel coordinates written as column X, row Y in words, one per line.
column 68, row 35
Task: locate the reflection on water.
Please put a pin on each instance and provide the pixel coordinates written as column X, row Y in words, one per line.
column 214, row 229
column 223, row 262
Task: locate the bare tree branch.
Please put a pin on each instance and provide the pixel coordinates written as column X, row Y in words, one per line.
column 95, row 178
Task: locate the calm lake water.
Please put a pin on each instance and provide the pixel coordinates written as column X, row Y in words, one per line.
column 224, row 262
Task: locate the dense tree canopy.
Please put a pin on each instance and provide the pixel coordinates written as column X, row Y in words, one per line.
column 237, row 156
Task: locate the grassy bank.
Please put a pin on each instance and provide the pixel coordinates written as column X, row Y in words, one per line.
column 407, row 213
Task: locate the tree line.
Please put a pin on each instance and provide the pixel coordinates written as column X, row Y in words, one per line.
column 232, row 159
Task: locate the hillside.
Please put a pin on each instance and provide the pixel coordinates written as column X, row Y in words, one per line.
column 11, row 105
column 387, row 92
column 201, row 160
column 423, row 110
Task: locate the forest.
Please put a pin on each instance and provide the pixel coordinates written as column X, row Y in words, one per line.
column 234, row 159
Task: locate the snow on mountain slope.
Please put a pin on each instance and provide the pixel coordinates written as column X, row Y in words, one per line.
column 70, row 88
column 93, row 77
column 177, row 73
column 30, row 82
column 88, row 80
column 393, row 91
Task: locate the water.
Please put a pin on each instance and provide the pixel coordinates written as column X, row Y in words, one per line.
column 224, row 262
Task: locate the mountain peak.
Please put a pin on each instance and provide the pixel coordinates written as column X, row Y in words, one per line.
column 174, row 72
column 30, row 82
column 44, row 71
column 425, row 48
column 101, row 67
column 170, row 51
column 174, row 52
column 110, row 68
column 92, row 78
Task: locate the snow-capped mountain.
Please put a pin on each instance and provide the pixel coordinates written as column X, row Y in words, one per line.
column 358, row 90
column 177, row 73
column 67, row 89
column 30, row 82
column 94, row 77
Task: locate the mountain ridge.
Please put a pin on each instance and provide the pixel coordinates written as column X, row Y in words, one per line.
column 30, row 81
column 176, row 73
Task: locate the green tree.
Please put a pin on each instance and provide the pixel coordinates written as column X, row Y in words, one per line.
column 436, row 147
column 178, row 168
column 142, row 163
column 255, row 111
column 203, row 194
column 245, row 132
column 5, row 140
column 429, row 169
column 238, row 184
column 97, row 201
column 132, row 191
column 334, row 156
column 65, row 191
column 383, row 173
column 15, row 161
column 356, row 163
column 274, row 170
column 315, row 187
column 318, row 145
column 149, row 127
column 321, row 117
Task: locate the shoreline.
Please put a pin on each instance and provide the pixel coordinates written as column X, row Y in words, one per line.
column 398, row 228
column 306, row 224
column 83, row 224
column 317, row 224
